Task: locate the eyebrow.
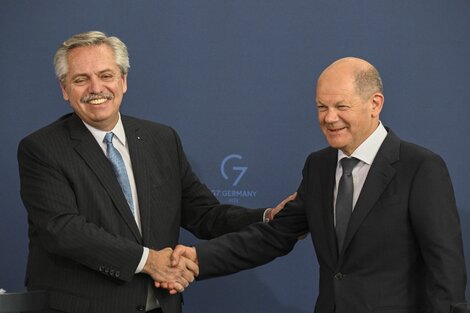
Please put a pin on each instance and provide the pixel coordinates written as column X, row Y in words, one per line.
column 100, row 72
column 334, row 104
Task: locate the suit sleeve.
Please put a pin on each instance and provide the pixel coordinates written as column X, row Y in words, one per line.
column 257, row 244
column 202, row 213
column 436, row 224
column 55, row 223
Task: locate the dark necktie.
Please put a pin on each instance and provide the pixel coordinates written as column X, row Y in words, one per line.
column 344, row 200
column 119, row 169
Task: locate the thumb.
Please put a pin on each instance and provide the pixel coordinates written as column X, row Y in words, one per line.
column 176, row 255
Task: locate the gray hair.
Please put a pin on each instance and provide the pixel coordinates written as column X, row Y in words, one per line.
column 368, row 81
column 91, row 38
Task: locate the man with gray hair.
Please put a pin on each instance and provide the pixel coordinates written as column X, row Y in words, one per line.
column 106, row 194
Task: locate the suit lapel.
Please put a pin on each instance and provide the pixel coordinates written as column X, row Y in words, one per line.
column 147, row 165
column 92, row 154
column 137, row 151
column 378, row 178
column 328, row 213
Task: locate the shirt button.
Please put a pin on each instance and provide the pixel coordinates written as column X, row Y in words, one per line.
column 339, row 276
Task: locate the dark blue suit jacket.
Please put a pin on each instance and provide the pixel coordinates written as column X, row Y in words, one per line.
column 84, row 243
column 403, row 249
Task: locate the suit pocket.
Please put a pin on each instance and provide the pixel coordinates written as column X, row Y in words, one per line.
column 65, row 302
column 397, row 309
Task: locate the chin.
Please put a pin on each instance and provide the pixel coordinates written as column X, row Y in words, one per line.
column 334, row 142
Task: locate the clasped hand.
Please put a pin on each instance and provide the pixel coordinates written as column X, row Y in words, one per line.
column 172, row 270
column 175, row 269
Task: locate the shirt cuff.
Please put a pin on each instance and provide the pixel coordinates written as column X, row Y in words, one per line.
column 143, row 260
column 266, row 215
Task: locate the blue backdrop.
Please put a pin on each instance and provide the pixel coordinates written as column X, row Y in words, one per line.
column 236, row 78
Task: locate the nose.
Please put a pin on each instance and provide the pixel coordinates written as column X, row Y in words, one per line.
column 330, row 116
column 95, row 85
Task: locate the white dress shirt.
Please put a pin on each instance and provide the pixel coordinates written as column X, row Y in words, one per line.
column 365, row 153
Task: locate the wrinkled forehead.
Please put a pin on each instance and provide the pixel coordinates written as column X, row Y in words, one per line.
column 335, row 83
column 91, row 59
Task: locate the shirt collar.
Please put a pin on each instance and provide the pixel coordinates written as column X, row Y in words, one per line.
column 118, row 131
column 367, row 151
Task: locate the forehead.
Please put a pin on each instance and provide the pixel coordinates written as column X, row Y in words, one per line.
column 90, row 59
column 335, row 84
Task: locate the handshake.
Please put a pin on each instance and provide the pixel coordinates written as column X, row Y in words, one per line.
column 172, row 269
column 175, row 269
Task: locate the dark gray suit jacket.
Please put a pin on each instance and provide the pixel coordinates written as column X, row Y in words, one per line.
column 84, row 243
column 403, row 249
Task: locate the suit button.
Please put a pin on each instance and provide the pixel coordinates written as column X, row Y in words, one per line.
column 117, row 274
column 339, row 276
column 101, row 268
column 111, row 272
column 140, row 308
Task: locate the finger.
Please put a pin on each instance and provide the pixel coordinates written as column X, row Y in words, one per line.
column 174, row 285
column 183, row 280
column 291, row 197
column 188, row 276
column 176, row 255
column 171, row 289
column 178, row 287
column 163, row 285
column 192, row 266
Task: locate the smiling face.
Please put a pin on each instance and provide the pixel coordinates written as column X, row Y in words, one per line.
column 346, row 118
column 94, row 85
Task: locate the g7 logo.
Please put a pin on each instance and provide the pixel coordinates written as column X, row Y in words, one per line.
column 241, row 169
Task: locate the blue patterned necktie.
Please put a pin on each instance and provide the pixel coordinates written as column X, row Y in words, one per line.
column 344, row 200
column 119, row 168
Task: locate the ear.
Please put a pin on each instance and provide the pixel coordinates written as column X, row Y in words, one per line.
column 124, row 83
column 377, row 103
column 64, row 92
